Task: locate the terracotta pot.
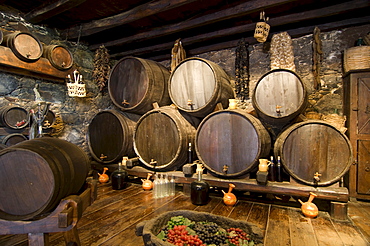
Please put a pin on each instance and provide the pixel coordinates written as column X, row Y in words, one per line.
column 103, row 178
column 229, row 198
column 147, row 183
column 309, row 209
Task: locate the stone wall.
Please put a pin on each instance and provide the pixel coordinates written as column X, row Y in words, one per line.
column 76, row 113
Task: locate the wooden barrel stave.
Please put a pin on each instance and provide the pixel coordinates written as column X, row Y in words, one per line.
column 233, row 138
column 135, row 84
column 314, row 146
column 279, row 97
column 110, row 135
column 163, row 135
column 59, row 56
column 203, row 82
column 36, row 174
column 12, row 139
column 14, row 117
column 24, row 45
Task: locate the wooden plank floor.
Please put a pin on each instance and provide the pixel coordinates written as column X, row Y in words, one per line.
column 112, row 218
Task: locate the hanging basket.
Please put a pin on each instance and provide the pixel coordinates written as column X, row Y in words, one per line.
column 356, row 58
column 262, row 31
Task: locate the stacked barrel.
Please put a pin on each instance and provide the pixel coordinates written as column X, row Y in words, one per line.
column 13, row 122
column 168, row 120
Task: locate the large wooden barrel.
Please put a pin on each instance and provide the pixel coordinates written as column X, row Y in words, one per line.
column 311, row 147
column 59, row 56
column 197, row 85
column 36, row 174
column 162, row 137
column 14, row 117
column 110, row 136
column 230, row 142
column 24, row 45
column 135, row 84
column 279, row 97
column 13, row 139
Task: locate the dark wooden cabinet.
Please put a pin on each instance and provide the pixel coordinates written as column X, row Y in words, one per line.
column 356, row 107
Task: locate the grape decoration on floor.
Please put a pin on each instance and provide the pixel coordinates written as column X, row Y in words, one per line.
column 182, row 231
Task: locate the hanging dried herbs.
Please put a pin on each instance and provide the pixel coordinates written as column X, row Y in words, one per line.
column 101, row 67
column 242, row 70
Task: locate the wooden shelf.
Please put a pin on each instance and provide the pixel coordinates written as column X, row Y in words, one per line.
column 39, row 69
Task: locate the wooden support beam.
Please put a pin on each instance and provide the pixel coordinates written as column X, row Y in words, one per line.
column 237, row 11
column 45, row 12
column 145, row 10
column 324, row 12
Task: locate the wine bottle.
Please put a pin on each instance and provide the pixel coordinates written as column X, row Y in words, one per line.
column 272, row 171
column 119, row 178
column 199, row 188
column 279, row 171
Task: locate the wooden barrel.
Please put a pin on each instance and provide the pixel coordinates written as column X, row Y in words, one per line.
column 311, row 147
column 230, row 142
column 135, row 84
column 279, row 97
column 59, row 56
column 110, row 136
column 24, row 45
column 162, row 137
column 197, row 85
column 14, row 138
column 14, row 117
column 36, row 174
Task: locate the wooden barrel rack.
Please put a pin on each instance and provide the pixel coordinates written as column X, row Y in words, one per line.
column 335, row 194
column 63, row 219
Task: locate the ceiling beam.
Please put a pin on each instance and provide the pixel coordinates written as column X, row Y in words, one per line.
column 298, row 32
column 240, row 10
column 139, row 12
column 45, row 12
column 278, row 21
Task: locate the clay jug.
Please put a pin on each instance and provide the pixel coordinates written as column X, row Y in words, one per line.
column 264, row 165
column 147, row 183
column 309, row 209
column 229, row 198
column 103, row 178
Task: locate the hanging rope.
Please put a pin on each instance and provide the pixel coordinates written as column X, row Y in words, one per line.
column 177, row 54
column 242, row 70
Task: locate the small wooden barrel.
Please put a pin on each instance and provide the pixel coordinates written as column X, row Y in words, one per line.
column 279, row 97
column 162, row 137
column 13, row 139
column 49, row 120
column 14, row 117
column 311, row 147
column 59, row 56
column 25, row 46
column 110, row 136
column 36, row 174
column 230, row 142
column 135, row 84
column 197, row 85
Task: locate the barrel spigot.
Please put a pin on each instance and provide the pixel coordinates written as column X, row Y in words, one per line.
column 278, row 111
column 225, row 168
column 102, row 157
column 316, row 177
column 125, row 103
column 153, row 162
column 190, row 103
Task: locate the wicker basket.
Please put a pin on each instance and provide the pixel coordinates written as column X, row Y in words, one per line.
column 356, row 58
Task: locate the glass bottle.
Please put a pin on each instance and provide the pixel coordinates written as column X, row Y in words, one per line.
column 272, row 172
column 166, row 185
column 119, row 178
column 279, row 171
column 155, row 186
column 172, row 186
column 160, row 186
column 199, row 189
